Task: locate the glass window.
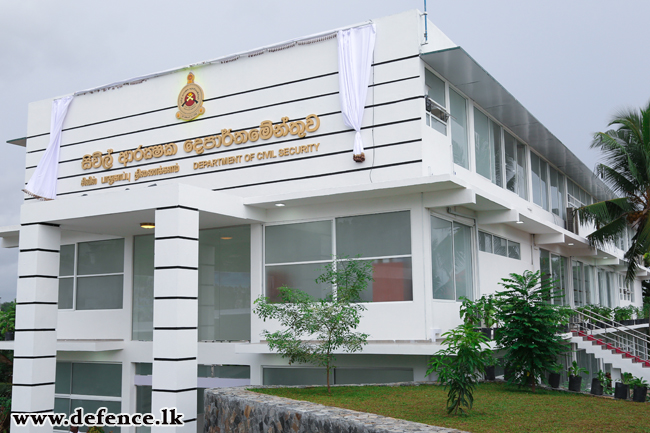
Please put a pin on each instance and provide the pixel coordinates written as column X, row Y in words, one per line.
column 225, row 284
column 578, row 285
column 435, row 87
column 554, row 267
column 540, row 181
column 100, row 293
column 500, row 246
column 557, row 193
column 93, row 385
column 143, row 269
column 458, row 120
column 484, row 242
column 384, row 238
column 101, row 257
column 515, row 169
column 347, row 376
column 95, row 280
column 487, row 139
column 309, row 242
column 514, row 250
column 451, row 255
column 295, row 376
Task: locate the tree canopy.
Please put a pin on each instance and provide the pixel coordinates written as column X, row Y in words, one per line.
column 625, row 169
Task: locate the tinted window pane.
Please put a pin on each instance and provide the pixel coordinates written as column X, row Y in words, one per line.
column 101, row 257
column 301, row 277
column 91, row 406
column 299, row 242
column 500, row 246
column 295, row 376
column 97, row 379
column 377, row 235
column 458, row 119
column 63, row 377
column 66, row 289
column 485, row 242
column 537, row 192
column 143, row 264
column 436, row 87
column 392, row 281
column 99, row 293
column 345, row 376
column 144, row 368
column 483, row 151
column 463, row 261
column 442, row 259
column 224, row 284
column 66, row 260
column 514, row 250
column 522, row 175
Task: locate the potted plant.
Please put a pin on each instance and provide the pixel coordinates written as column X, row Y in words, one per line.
column 640, row 391
column 8, row 321
column 575, row 380
column 554, row 376
column 622, row 389
column 598, row 383
column 479, row 312
column 623, row 315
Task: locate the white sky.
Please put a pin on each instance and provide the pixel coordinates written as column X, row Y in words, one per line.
column 572, row 63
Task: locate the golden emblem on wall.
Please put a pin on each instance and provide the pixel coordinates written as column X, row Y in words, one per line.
column 190, row 100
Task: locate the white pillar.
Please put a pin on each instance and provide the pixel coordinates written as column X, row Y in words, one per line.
column 175, row 315
column 36, row 316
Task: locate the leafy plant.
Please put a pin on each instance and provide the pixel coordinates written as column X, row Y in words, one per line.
column 575, row 369
column 96, row 429
column 529, row 324
column 8, row 318
column 604, row 378
column 460, row 366
column 327, row 322
column 479, row 312
column 638, row 381
column 555, row 368
column 627, row 378
column 624, row 313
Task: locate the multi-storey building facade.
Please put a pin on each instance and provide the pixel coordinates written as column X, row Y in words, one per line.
column 460, row 186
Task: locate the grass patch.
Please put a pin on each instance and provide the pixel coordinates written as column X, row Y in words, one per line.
column 497, row 408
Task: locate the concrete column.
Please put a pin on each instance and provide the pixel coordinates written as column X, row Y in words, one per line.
column 175, row 314
column 36, row 316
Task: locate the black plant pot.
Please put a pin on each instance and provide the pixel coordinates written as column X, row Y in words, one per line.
column 490, row 373
column 507, row 374
column 554, row 380
column 596, row 387
column 9, row 336
column 621, row 391
column 627, row 322
column 574, row 383
column 641, row 321
column 639, row 394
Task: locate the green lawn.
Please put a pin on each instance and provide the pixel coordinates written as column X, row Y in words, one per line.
column 497, row 408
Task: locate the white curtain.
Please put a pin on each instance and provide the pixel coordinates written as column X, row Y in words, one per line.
column 356, row 47
column 43, row 182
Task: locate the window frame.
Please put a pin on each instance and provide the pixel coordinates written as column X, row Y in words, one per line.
column 332, row 221
column 443, row 111
column 75, row 275
column 508, row 241
column 469, row 222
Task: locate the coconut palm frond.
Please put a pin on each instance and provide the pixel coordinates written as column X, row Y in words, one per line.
column 603, row 212
column 609, row 232
column 620, row 182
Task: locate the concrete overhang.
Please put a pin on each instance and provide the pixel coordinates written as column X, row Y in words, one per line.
column 89, row 345
column 9, row 236
column 461, row 70
column 438, row 184
column 121, row 212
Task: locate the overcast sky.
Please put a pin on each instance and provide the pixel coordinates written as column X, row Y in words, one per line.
column 572, row 63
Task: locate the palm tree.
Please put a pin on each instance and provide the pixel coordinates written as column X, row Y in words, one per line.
column 626, row 170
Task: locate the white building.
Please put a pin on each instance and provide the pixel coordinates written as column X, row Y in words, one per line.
column 241, row 207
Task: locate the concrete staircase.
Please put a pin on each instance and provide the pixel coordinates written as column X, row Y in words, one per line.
column 624, row 347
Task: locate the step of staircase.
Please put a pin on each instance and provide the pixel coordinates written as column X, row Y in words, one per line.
column 612, row 355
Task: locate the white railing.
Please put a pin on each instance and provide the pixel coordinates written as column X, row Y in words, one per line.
column 611, row 335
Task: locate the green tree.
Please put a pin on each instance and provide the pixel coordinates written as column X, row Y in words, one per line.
column 460, row 365
column 313, row 329
column 626, row 170
column 530, row 325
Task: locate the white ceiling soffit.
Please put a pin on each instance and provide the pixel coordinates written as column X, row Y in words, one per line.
column 461, row 70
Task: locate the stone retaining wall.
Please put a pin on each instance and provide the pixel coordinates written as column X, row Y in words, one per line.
column 242, row 411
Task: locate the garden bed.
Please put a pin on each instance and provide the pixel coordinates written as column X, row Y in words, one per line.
column 497, row 407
